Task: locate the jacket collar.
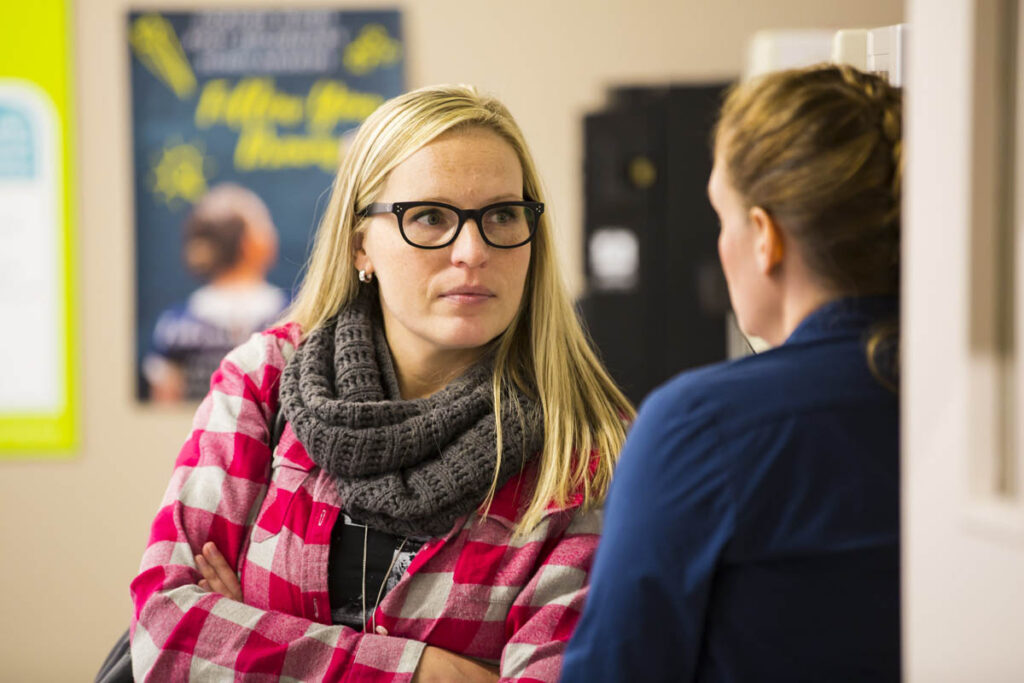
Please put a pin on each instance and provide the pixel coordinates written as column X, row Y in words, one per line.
column 843, row 317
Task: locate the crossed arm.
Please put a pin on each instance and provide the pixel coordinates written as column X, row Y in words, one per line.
column 435, row 663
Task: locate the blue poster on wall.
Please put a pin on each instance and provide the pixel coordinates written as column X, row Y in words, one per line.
column 238, row 118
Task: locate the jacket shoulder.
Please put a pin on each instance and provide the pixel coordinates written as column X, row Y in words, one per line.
column 269, row 349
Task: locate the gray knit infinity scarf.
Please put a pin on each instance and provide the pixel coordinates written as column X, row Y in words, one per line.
column 408, row 467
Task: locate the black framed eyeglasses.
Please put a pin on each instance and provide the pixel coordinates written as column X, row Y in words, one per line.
column 434, row 225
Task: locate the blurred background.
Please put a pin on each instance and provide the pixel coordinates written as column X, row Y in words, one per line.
column 599, row 88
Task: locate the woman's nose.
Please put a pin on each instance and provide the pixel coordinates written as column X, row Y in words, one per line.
column 469, row 248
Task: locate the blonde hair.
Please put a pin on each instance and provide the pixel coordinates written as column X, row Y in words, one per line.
column 820, row 150
column 543, row 352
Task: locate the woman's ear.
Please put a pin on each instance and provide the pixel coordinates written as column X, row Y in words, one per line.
column 359, row 257
column 768, row 240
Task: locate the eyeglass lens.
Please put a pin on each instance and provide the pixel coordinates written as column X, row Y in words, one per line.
column 505, row 226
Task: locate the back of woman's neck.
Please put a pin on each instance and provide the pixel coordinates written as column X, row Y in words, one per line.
column 796, row 310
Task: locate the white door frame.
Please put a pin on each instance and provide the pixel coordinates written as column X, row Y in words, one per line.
column 963, row 479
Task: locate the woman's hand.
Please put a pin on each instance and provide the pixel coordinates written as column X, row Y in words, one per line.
column 441, row 665
column 218, row 576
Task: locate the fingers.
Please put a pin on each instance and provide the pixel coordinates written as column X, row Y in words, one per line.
column 217, row 574
column 208, row 572
column 442, row 665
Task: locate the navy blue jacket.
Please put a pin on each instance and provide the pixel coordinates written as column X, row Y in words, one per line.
column 752, row 529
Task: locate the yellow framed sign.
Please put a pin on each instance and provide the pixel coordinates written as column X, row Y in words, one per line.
column 37, row 385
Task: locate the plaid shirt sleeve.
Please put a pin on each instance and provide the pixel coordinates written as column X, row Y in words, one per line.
column 180, row 632
column 544, row 614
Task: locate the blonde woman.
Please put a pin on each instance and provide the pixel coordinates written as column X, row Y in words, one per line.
column 429, row 511
column 752, row 533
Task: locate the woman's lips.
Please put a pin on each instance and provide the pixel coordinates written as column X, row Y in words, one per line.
column 468, row 295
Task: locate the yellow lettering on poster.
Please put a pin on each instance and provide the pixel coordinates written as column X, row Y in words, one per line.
column 257, row 109
column 331, row 102
column 261, row 147
column 250, row 102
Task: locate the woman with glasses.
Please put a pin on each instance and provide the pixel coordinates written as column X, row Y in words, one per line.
column 752, row 533
column 428, row 511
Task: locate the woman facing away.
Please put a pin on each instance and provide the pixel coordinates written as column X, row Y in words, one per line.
column 428, row 512
column 230, row 243
column 752, row 532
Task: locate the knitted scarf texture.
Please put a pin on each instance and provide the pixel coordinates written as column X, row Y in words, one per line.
column 408, row 467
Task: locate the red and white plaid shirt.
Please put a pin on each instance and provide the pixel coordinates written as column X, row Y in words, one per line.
column 476, row 592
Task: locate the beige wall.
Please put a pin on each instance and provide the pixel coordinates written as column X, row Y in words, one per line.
column 72, row 533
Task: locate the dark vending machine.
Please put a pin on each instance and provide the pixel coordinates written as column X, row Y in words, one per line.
column 655, row 300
